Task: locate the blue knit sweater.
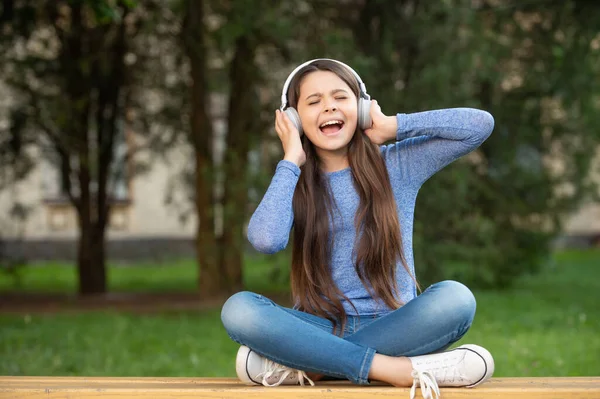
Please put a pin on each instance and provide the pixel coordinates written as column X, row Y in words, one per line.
column 426, row 142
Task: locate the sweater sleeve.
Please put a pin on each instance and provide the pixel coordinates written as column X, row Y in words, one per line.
column 428, row 141
column 270, row 225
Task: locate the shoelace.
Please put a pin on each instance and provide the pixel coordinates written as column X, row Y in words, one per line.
column 272, row 368
column 426, row 380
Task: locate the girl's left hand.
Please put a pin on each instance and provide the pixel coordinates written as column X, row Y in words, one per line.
column 384, row 127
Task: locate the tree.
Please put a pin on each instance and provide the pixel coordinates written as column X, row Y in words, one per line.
column 66, row 63
column 248, row 31
column 211, row 279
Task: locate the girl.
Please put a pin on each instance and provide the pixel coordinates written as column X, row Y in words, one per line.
column 351, row 202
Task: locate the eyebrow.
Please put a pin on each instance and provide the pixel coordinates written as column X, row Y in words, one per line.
column 335, row 91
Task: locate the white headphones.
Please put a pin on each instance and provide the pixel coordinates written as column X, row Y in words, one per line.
column 364, row 100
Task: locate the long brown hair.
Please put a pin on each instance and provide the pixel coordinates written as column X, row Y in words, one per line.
column 380, row 245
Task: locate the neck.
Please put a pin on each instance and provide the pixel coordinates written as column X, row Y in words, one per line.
column 332, row 161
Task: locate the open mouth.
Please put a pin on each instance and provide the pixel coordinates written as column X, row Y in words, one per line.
column 331, row 127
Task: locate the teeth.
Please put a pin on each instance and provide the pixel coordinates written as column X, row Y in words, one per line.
column 336, row 122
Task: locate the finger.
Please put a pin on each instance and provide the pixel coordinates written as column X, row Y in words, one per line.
column 375, row 107
column 376, row 115
column 278, row 127
column 288, row 123
column 282, row 119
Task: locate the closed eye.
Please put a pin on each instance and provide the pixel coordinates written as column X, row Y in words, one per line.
column 337, row 98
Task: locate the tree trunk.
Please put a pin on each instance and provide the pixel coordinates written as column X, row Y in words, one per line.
column 90, row 251
column 242, row 123
column 91, row 263
column 108, row 82
column 211, row 281
column 76, row 143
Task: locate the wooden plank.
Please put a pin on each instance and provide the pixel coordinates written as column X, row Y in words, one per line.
column 111, row 380
column 211, row 388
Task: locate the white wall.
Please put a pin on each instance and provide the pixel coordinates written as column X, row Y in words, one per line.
column 146, row 216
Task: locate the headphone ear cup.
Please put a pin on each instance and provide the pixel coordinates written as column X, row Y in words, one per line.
column 295, row 118
column 364, row 113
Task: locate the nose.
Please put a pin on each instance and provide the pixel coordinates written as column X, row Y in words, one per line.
column 330, row 107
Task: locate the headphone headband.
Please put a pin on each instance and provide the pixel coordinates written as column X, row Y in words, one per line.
column 284, row 99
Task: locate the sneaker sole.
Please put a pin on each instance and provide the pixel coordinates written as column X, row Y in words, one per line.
column 487, row 358
column 241, row 366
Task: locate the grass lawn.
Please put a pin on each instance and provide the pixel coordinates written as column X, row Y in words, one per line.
column 547, row 325
column 176, row 276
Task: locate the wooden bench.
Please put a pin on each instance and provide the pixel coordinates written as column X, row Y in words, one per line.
column 200, row 388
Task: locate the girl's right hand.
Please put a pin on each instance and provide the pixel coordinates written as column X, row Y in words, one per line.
column 290, row 139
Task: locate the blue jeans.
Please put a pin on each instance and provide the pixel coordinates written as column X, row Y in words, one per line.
column 431, row 322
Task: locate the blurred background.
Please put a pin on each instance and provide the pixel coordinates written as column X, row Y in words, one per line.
column 136, row 139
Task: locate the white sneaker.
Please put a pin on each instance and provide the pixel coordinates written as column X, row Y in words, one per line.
column 251, row 369
column 464, row 366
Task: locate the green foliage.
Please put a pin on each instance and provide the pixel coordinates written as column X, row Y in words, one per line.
column 543, row 326
column 107, row 11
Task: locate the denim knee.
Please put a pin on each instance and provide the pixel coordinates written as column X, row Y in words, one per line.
column 458, row 300
column 239, row 314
